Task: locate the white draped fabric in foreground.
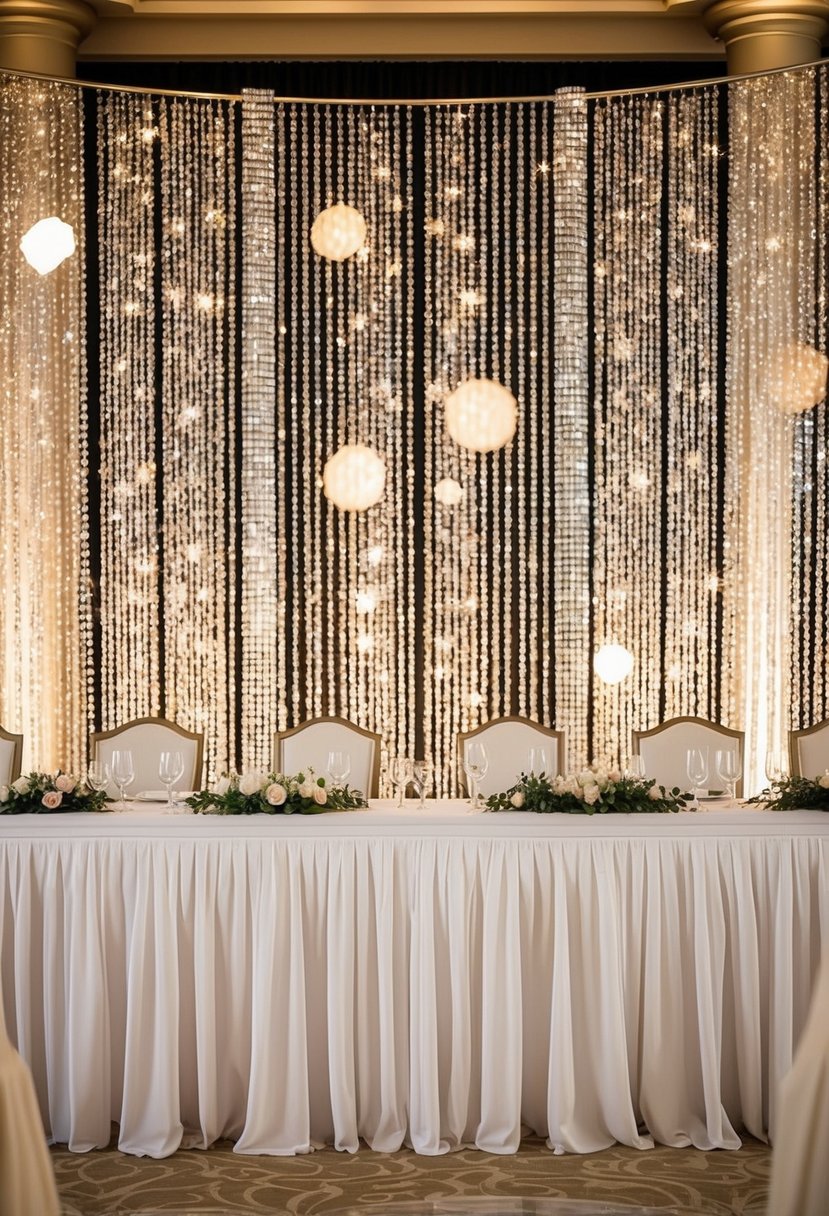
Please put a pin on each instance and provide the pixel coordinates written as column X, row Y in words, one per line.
column 434, row 979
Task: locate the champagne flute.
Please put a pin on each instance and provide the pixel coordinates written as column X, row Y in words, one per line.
column 97, row 775
column 728, row 768
column 422, row 772
column 537, row 763
column 123, row 774
column 696, row 768
column 400, row 771
column 170, row 770
column 635, row 768
column 339, row 766
column 475, row 764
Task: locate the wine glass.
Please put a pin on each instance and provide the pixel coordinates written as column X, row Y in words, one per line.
column 537, row 762
column 696, row 768
column 422, row 773
column 97, row 775
column 635, row 767
column 728, row 768
column 400, row 771
column 475, row 764
column 170, row 770
column 123, row 774
column 339, row 766
column 776, row 767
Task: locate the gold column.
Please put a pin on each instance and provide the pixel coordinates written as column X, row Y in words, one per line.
column 763, row 34
column 43, row 35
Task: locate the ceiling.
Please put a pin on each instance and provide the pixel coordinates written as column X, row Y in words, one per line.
column 399, row 29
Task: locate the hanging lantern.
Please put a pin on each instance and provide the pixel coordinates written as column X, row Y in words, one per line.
column 612, row 663
column 481, row 415
column 354, row 478
column 798, row 377
column 48, row 243
column 338, row 232
column 449, row 492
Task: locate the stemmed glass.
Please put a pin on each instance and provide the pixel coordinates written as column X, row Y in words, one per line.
column 776, row 767
column 537, row 763
column 696, row 767
column 123, row 774
column 170, row 770
column 475, row 764
column 97, row 775
column 728, row 768
column 635, row 767
column 400, row 771
column 339, row 766
column 422, row 773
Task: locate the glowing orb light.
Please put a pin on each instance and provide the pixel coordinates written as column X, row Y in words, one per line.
column 338, row 232
column 449, row 492
column 612, row 663
column 48, row 243
column 798, row 377
column 354, row 478
column 481, row 415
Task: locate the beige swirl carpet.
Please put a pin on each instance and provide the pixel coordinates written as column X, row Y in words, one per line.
column 220, row 1181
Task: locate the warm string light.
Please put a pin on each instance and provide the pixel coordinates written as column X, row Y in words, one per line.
column 197, row 420
column 263, row 572
column 45, row 609
column 771, row 304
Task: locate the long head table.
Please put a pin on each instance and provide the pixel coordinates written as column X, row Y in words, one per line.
column 432, row 978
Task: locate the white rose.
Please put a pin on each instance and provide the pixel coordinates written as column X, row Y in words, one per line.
column 517, row 799
column 221, row 786
column 571, row 786
column 592, row 793
column 306, row 789
column 320, row 795
column 65, row 783
column 655, row 793
column 276, row 794
column 5, row 793
column 21, row 785
column 587, row 777
column 250, row 782
column 614, row 775
column 823, row 781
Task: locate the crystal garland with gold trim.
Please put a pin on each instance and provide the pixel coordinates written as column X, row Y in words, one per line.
column 44, row 534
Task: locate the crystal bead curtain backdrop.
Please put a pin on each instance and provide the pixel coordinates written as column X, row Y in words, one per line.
column 44, row 524
column 646, row 275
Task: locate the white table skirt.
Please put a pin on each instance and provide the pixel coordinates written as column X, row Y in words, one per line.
column 434, row 979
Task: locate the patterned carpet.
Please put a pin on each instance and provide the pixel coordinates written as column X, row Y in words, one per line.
column 221, row 1182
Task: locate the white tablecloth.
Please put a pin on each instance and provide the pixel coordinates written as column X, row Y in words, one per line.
column 431, row 979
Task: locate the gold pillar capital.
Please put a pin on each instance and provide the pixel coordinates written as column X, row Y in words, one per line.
column 43, row 35
column 763, row 34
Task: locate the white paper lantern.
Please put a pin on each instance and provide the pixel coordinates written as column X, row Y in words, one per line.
column 612, row 663
column 354, row 478
column 338, row 232
column 48, row 243
column 449, row 492
column 798, row 377
column 481, row 415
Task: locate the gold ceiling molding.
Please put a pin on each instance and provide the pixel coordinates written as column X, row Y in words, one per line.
column 399, row 29
column 760, row 34
column 43, row 35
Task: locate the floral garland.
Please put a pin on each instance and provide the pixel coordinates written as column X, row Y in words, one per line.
column 595, row 790
column 796, row 794
column 41, row 794
column 255, row 793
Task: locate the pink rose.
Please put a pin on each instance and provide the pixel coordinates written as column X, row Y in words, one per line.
column 276, row 794
column 65, row 783
column 52, row 799
column 320, row 795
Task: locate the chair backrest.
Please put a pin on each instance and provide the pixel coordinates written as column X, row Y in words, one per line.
column 508, row 742
column 809, row 750
column 147, row 738
column 307, row 746
column 11, row 756
column 664, row 750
